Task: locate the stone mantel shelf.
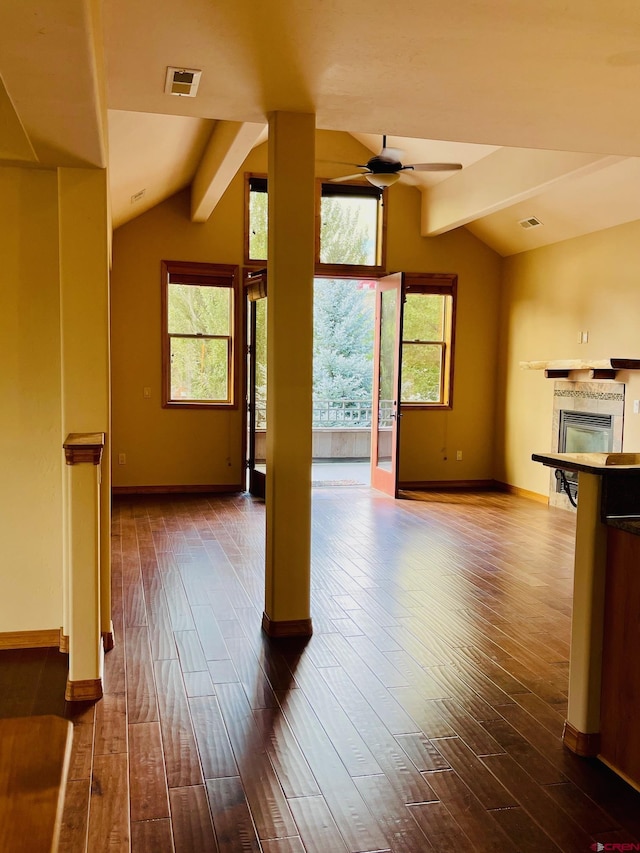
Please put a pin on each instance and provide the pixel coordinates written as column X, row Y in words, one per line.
column 603, row 368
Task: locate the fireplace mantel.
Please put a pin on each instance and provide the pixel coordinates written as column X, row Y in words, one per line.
column 603, row 368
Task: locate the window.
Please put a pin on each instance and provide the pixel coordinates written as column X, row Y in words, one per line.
column 256, row 205
column 351, row 228
column 350, row 236
column 199, row 332
column 428, row 325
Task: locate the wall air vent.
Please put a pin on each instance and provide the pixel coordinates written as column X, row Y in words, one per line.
column 183, row 82
column 531, row 222
column 137, row 196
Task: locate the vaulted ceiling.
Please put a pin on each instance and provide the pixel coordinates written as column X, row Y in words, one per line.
column 537, row 101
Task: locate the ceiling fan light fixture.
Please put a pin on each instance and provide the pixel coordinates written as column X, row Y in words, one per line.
column 382, row 180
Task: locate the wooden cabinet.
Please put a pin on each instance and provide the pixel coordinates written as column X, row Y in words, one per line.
column 620, row 721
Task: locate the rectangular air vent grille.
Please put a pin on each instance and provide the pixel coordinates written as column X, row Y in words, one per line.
column 183, row 82
column 531, row 222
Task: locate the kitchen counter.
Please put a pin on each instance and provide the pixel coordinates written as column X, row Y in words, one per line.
column 618, row 476
column 606, row 599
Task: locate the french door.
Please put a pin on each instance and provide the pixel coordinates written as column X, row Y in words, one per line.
column 386, row 384
column 256, row 295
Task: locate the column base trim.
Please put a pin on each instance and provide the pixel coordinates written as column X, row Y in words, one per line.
column 64, row 642
column 585, row 744
column 88, row 690
column 286, row 628
column 108, row 640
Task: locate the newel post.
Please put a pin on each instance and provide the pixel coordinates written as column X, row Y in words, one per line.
column 83, row 455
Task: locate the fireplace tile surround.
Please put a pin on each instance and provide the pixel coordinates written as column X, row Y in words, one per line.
column 604, row 398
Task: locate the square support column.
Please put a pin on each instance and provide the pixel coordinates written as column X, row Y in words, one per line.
column 289, row 373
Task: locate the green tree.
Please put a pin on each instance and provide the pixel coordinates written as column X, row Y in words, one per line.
column 199, row 365
column 258, row 217
column 422, row 334
column 343, row 310
column 342, row 340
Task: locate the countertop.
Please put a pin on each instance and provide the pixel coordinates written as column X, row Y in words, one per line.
column 620, row 475
column 591, row 463
column 629, row 525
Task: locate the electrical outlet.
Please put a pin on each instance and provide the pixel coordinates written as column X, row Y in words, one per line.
column 458, row 456
column 636, row 407
column 122, row 458
column 146, row 392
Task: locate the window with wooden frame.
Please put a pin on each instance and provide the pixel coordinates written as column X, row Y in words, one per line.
column 255, row 218
column 200, row 330
column 428, row 333
column 350, row 227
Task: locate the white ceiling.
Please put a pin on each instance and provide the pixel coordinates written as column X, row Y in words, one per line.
column 537, row 101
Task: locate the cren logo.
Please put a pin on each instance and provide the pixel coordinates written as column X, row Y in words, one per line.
column 598, row 846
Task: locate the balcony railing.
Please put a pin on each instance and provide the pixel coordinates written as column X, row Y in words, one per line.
column 338, row 414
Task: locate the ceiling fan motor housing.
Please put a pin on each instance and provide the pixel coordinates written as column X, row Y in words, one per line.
column 381, row 166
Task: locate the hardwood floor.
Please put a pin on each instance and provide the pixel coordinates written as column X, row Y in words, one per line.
column 425, row 712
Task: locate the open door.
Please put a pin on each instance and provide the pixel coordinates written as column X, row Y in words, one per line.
column 386, row 384
column 256, row 295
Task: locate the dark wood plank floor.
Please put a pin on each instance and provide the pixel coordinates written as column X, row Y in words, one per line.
column 425, row 713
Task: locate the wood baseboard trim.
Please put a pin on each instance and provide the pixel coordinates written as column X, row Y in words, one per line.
column 30, row 639
column 446, row 485
column 64, row 642
column 108, row 640
column 522, row 493
column 290, row 628
column 178, row 490
column 585, row 744
column 88, row 690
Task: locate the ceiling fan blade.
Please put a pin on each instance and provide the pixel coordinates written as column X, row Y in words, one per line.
column 434, row 167
column 393, row 155
column 348, row 177
column 344, row 163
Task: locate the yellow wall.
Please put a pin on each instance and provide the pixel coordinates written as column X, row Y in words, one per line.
column 54, row 377
column 192, row 447
column 30, row 415
column 166, row 446
column 549, row 296
column 430, row 439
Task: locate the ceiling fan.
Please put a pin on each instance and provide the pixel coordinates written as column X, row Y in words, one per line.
column 385, row 168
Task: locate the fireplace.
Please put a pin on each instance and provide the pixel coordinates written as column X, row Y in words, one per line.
column 582, row 432
column 587, row 418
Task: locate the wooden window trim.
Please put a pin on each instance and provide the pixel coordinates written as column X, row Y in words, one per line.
column 206, row 275
column 445, row 284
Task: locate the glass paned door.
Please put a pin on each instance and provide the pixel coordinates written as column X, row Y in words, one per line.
column 257, row 387
column 386, row 384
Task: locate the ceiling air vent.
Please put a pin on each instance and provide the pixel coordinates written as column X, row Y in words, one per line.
column 530, row 222
column 183, row 82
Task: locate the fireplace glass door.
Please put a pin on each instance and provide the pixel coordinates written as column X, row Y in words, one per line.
column 583, row 432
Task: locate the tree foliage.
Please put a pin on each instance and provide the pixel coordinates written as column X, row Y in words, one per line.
column 342, row 309
column 342, row 340
column 199, row 365
column 422, row 335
